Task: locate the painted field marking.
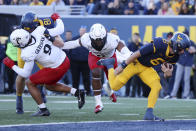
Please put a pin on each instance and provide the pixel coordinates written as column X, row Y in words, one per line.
column 8, row 100
column 183, row 116
column 129, row 114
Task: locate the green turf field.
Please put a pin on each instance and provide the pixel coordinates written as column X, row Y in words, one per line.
column 64, row 109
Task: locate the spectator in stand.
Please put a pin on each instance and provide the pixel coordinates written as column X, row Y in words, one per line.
column 36, row 2
column 24, row 2
column 165, row 9
column 193, row 9
column 58, row 3
column 2, row 2
column 176, row 5
column 115, row 8
column 100, row 8
column 145, row 3
column 151, row 9
column 159, row 4
column 183, row 70
column 6, row 2
column 70, row 2
column 81, row 2
column 184, row 10
column 131, row 9
column 14, row 2
column 90, row 5
column 79, row 64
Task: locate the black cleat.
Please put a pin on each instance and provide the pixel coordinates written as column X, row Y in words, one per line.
column 81, row 99
column 19, row 105
column 109, row 62
column 150, row 116
column 19, row 111
column 41, row 113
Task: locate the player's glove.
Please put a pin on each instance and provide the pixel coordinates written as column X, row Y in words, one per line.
column 48, row 36
column 8, row 62
column 55, row 16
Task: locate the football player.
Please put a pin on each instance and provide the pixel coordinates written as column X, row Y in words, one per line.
column 29, row 22
column 100, row 45
column 36, row 47
column 141, row 62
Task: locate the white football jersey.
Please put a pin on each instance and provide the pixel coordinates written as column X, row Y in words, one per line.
column 43, row 51
column 108, row 49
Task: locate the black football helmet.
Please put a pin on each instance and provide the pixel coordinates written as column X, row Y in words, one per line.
column 29, row 22
column 179, row 41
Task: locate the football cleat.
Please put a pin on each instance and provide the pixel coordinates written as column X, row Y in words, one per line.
column 19, row 111
column 98, row 109
column 81, row 99
column 41, row 113
column 113, row 97
column 109, row 62
column 150, row 116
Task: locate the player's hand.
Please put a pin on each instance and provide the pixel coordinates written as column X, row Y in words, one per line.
column 167, row 68
column 55, row 16
column 8, row 62
column 118, row 70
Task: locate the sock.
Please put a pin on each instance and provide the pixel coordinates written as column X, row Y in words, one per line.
column 74, row 92
column 19, row 103
column 98, row 100
column 42, row 106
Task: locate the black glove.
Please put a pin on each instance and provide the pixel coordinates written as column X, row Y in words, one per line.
column 48, row 36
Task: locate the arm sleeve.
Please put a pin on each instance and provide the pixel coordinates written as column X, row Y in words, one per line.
column 58, row 30
column 71, row 44
column 147, row 49
column 26, row 70
column 126, row 52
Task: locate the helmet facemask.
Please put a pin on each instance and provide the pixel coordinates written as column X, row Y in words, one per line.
column 98, row 43
column 177, row 47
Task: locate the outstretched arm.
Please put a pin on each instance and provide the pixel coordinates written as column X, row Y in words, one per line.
column 72, row 44
column 24, row 72
column 124, row 50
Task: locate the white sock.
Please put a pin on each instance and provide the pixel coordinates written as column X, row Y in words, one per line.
column 73, row 91
column 42, row 105
column 98, row 100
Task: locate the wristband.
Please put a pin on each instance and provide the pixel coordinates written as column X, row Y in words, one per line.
column 123, row 64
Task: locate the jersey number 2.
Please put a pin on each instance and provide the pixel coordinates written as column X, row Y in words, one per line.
column 47, row 49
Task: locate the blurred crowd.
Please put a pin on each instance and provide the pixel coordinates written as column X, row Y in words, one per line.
column 119, row 7
column 182, row 84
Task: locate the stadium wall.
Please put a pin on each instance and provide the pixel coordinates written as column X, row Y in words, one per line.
column 147, row 26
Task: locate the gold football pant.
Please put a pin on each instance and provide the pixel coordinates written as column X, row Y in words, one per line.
column 147, row 74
